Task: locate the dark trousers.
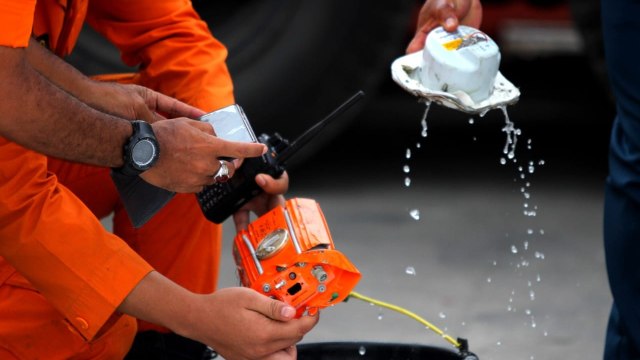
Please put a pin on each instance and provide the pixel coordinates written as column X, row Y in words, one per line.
column 621, row 30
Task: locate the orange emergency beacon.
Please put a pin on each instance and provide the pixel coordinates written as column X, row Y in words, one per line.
column 288, row 254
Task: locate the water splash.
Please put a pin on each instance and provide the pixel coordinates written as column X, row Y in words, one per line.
column 415, row 214
column 512, row 135
column 423, row 121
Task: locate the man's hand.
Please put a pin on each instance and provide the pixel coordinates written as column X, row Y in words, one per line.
column 270, row 198
column 446, row 13
column 136, row 102
column 189, row 154
column 240, row 323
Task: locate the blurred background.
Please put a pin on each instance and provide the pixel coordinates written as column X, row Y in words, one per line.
column 508, row 256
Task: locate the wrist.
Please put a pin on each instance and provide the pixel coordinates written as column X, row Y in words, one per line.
column 140, row 151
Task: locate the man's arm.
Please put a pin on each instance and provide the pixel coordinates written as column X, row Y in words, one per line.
column 42, row 116
column 239, row 323
column 39, row 115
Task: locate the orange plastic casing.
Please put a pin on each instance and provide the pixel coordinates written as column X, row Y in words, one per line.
column 288, row 254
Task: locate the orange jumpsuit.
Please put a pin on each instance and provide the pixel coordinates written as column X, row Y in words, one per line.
column 61, row 274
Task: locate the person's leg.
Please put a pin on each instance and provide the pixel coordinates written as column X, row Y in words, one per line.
column 618, row 345
column 621, row 27
column 32, row 329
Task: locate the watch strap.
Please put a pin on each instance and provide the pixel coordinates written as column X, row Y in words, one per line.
column 141, row 130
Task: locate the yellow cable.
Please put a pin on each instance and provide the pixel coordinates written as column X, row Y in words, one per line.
column 408, row 313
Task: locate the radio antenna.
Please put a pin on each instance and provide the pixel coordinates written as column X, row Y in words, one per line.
column 315, row 129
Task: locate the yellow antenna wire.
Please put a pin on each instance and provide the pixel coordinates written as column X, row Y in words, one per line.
column 408, row 313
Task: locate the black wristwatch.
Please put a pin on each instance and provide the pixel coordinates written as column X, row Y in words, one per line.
column 141, row 151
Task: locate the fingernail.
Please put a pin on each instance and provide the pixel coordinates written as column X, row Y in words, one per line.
column 288, row 312
column 260, row 180
column 450, row 22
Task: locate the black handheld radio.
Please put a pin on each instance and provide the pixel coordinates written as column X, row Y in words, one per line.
column 221, row 200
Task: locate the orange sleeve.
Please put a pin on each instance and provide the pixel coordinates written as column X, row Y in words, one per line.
column 16, row 22
column 54, row 241
column 174, row 48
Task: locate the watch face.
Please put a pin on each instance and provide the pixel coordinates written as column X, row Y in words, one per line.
column 143, row 154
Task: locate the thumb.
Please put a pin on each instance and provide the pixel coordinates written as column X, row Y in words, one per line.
column 275, row 309
column 448, row 17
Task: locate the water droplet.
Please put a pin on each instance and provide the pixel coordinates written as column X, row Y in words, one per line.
column 463, row 323
column 380, row 315
column 531, row 169
column 541, row 231
column 539, row 255
column 538, row 278
column 407, row 181
column 532, row 295
column 503, row 161
column 442, row 315
column 415, row 213
column 408, row 154
column 495, row 263
column 529, row 231
column 471, row 121
column 488, row 279
column 406, row 169
column 499, row 343
column 526, row 195
column 527, row 311
column 418, row 145
column 410, row 270
column 526, row 245
column 541, row 162
column 545, row 333
column 514, row 249
column 362, row 350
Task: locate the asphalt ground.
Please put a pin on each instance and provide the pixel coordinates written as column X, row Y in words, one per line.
column 507, row 257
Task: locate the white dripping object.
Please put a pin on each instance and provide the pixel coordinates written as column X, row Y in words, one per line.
column 465, row 60
column 458, row 70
